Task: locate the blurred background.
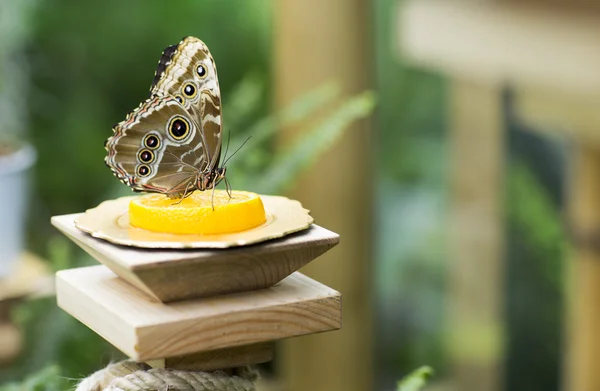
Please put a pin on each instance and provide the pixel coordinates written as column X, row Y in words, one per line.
column 451, row 143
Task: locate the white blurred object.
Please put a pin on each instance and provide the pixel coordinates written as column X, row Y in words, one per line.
column 14, row 192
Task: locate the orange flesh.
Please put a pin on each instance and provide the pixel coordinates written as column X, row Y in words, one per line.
column 195, row 214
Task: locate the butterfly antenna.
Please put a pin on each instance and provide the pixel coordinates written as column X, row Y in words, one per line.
column 236, row 151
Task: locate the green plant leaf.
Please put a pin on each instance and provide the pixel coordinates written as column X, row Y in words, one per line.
column 288, row 163
column 243, row 101
column 47, row 379
column 245, row 170
column 416, row 380
column 538, row 221
column 298, row 110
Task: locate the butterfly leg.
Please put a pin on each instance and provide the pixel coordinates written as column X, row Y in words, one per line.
column 185, row 193
column 213, row 197
column 228, row 188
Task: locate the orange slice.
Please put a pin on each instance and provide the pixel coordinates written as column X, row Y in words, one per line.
column 195, row 214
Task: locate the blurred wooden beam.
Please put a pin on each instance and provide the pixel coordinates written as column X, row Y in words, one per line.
column 315, row 42
column 577, row 116
column 571, row 114
column 475, row 295
column 584, row 288
column 548, row 44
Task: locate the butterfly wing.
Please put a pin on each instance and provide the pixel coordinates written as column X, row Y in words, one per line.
column 210, row 120
column 187, row 72
column 157, row 148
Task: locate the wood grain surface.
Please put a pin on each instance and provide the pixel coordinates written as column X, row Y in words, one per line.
column 145, row 329
column 170, row 275
column 219, row 359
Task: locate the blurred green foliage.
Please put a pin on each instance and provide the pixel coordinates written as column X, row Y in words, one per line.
column 415, row 380
column 535, row 215
column 48, row 379
column 273, row 173
column 410, row 208
column 534, row 282
column 410, row 242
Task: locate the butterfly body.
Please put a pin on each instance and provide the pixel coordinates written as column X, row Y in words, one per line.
column 171, row 143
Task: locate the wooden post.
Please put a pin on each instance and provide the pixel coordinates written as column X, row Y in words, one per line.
column 317, row 42
column 476, row 336
column 584, row 320
column 144, row 304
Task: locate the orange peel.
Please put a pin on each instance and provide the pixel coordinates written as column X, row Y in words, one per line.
column 195, row 214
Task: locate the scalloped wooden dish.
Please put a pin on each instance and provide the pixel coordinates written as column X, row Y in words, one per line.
column 110, row 221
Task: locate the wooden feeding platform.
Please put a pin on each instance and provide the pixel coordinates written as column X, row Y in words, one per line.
column 199, row 309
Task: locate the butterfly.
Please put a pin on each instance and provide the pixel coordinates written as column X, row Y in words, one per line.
column 171, row 143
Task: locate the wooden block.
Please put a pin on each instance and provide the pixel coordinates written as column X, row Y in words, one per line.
column 219, row 359
column 31, row 277
column 543, row 44
column 11, row 342
column 146, row 329
column 171, row 275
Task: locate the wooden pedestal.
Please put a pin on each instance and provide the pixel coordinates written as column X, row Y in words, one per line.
column 135, row 300
column 31, row 278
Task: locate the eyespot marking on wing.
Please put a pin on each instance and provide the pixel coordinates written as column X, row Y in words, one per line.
column 152, row 141
column 143, row 170
column 146, row 156
column 178, row 127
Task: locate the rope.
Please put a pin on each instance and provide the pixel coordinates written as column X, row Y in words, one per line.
column 131, row 376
